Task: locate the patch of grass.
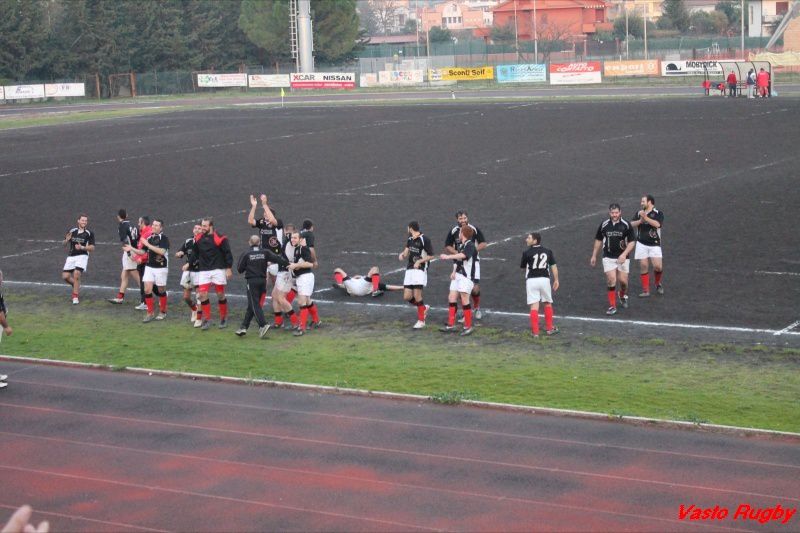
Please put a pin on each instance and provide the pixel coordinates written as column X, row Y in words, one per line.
column 69, row 117
column 717, row 383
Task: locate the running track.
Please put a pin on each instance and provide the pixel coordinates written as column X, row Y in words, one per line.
column 111, row 451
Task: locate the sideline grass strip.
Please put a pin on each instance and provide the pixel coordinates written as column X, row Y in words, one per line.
column 69, row 117
column 753, row 386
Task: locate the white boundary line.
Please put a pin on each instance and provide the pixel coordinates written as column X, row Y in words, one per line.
column 678, row 325
column 529, row 409
column 767, row 273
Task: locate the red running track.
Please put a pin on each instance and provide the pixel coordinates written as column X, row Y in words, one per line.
column 110, row 451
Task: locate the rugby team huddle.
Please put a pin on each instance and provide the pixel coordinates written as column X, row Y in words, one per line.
column 284, row 257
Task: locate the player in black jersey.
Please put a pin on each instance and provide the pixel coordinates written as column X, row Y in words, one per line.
column 308, row 240
column 128, row 234
column 418, row 251
column 3, row 312
column 615, row 237
column 156, row 246
column 461, row 284
column 284, row 285
column 79, row 242
column 539, row 263
column 270, row 229
column 450, row 247
column 253, row 264
column 189, row 275
column 300, row 265
column 648, row 244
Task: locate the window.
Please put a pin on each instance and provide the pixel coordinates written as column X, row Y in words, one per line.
column 781, row 8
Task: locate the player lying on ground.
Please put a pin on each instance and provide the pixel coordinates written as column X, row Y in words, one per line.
column 362, row 285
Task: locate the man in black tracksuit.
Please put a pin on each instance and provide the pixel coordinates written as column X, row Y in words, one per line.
column 253, row 264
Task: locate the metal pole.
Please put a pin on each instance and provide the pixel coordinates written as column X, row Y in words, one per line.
column 416, row 10
column 305, row 37
column 627, row 37
column 535, row 36
column 741, row 16
column 516, row 32
column 645, row 30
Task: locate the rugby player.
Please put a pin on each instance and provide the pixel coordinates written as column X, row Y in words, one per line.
column 539, row 263
column 143, row 233
column 648, row 221
column 307, row 239
column 284, row 285
column 216, row 268
column 615, row 236
column 3, row 312
column 461, row 284
column 128, row 234
column 253, row 264
column 300, row 266
column 271, row 231
column 450, row 247
column 418, row 251
column 79, row 241
column 155, row 271
column 189, row 275
column 362, row 285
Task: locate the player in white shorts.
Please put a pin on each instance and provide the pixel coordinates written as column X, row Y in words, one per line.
column 461, row 283
column 615, row 237
column 539, row 263
column 128, row 234
column 300, row 266
column 79, row 242
column 649, row 221
column 156, row 246
column 418, row 251
column 190, row 275
column 362, row 285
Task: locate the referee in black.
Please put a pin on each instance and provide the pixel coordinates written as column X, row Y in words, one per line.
column 253, row 264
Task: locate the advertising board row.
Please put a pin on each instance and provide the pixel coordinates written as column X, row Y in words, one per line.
column 46, row 90
column 295, row 80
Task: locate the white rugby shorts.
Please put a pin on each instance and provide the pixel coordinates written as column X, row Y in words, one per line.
column 415, row 276
column 609, row 264
column 538, row 290
column 214, row 277
column 76, row 262
column 461, row 284
column 644, row 252
column 477, row 277
column 358, row 286
column 127, row 262
column 272, row 269
column 283, row 282
column 189, row 279
column 305, row 284
column 157, row 276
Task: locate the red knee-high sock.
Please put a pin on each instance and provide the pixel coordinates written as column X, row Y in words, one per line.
column 548, row 317
column 476, row 301
column 535, row 321
column 262, row 299
column 162, row 303
column 291, row 295
column 338, row 278
column 376, row 282
column 278, row 318
column 121, row 295
column 205, row 310
column 645, row 282
column 658, row 278
column 314, row 312
column 451, row 313
column 292, row 317
column 303, row 317
column 148, row 299
column 421, row 311
column 467, row 316
column 612, row 296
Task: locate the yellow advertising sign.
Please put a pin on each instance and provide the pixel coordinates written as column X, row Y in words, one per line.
column 461, row 73
column 632, row 68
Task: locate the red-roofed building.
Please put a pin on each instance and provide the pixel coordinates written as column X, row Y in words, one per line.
column 566, row 19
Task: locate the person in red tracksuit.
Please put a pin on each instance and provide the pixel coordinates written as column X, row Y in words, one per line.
column 732, row 84
column 216, row 268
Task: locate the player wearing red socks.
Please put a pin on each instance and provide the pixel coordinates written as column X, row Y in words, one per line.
column 615, row 236
column 214, row 256
column 461, row 283
column 540, row 263
column 648, row 244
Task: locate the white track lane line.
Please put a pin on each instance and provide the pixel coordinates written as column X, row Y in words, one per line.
column 651, row 324
column 788, row 328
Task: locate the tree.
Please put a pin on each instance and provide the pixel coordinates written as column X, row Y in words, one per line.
column 503, row 34
column 552, row 38
column 384, row 14
column 410, row 27
column 336, row 33
column 439, row 35
column 635, row 27
column 732, row 12
column 675, row 15
column 266, row 24
column 22, row 38
column 160, row 41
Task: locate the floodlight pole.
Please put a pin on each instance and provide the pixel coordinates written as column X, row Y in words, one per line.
column 516, row 31
column 535, row 36
column 627, row 36
column 305, row 36
column 645, row 30
column 741, row 16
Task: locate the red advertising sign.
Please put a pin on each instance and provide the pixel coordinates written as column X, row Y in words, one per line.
column 570, row 73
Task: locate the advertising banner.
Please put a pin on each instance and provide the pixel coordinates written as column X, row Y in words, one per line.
column 55, row 90
column 268, row 80
column 575, row 73
column 648, row 67
column 690, row 68
column 400, row 77
column 461, row 74
column 222, row 80
column 368, row 80
column 323, row 80
column 2, row 94
column 521, row 73
column 18, row 92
